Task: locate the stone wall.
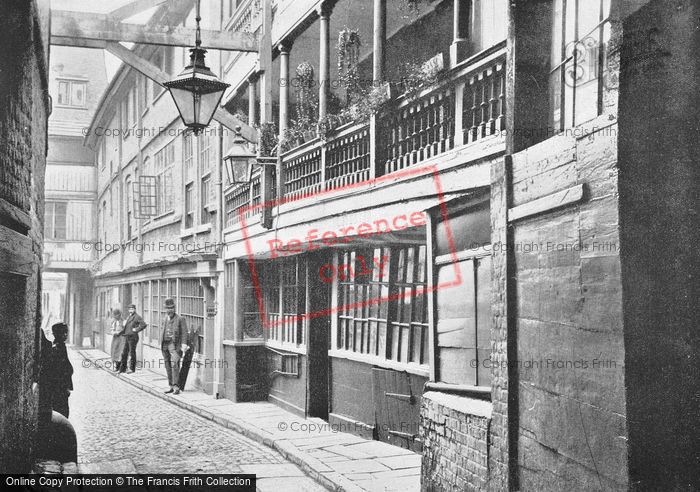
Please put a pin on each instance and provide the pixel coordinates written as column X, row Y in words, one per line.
column 454, row 431
column 23, row 117
column 659, row 149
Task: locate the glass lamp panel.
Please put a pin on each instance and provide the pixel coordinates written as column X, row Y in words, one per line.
column 185, row 102
column 206, row 106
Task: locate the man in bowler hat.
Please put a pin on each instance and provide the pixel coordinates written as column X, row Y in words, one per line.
column 173, row 342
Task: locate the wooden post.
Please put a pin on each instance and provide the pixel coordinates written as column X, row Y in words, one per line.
column 379, row 41
column 265, row 60
column 324, row 12
column 284, row 89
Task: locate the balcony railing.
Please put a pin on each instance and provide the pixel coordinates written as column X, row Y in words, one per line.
column 348, row 157
column 419, row 130
column 302, row 171
column 244, row 200
column 464, row 108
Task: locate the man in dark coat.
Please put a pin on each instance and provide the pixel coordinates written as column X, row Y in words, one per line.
column 173, row 342
column 133, row 325
column 60, row 370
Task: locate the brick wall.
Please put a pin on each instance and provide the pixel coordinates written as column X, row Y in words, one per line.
column 23, row 114
column 454, row 431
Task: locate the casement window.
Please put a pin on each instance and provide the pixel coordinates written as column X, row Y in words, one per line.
column 462, row 274
column 191, row 307
column 580, row 34
column 395, row 326
column 72, row 93
column 55, row 217
column 189, row 206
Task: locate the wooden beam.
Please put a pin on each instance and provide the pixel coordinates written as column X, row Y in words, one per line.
column 547, row 203
column 155, row 73
column 71, row 27
column 133, row 8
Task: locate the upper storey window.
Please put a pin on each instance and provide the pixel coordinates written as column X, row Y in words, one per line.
column 580, row 32
column 72, row 93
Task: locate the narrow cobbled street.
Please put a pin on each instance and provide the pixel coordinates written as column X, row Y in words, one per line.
column 123, row 429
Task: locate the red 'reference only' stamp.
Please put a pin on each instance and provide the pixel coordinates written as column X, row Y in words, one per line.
column 347, row 237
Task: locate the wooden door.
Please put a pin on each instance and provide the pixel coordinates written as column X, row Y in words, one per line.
column 397, row 407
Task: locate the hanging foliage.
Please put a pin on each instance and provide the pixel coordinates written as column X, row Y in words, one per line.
column 267, row 134
column 306, row 104
column 348, row 60
column 410, row 6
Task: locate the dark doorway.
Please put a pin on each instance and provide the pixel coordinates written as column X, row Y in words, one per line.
column 319, row 297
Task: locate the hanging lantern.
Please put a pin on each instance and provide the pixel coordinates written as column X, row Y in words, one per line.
column 196, row 91
column 239, row 160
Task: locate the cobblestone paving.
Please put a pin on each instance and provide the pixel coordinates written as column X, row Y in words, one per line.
column 115, row 421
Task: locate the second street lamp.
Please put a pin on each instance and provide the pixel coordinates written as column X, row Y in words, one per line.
column 197, row 92
column 240, row 161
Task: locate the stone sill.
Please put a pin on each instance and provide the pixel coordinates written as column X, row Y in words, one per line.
column 465, row 405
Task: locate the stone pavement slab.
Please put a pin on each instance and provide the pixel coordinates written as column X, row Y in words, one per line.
column 335, row 460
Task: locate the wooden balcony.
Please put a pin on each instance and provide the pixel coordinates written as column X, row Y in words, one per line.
column 466, row 107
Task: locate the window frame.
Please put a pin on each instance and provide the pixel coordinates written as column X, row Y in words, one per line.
column 50, row 220
column 563, row 90
column 69, row 82
column 387, row 287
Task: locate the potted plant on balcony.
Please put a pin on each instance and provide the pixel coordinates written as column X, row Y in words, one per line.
column 267, row 139
column 419, row 75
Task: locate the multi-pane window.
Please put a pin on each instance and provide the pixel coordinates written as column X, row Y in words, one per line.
column 382, row 303
column 189, row 206
column 187, row 151
column 55, row 220
column 206, row 153
column 279, row 299
column 580, row 33
column 163, row 169
column 72, row 93
column 191, row 305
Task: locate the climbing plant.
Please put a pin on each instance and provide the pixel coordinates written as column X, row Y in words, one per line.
column 348, row 50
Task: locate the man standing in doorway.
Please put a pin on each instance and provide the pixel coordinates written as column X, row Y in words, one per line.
column 173, row 342
column 133, row 325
